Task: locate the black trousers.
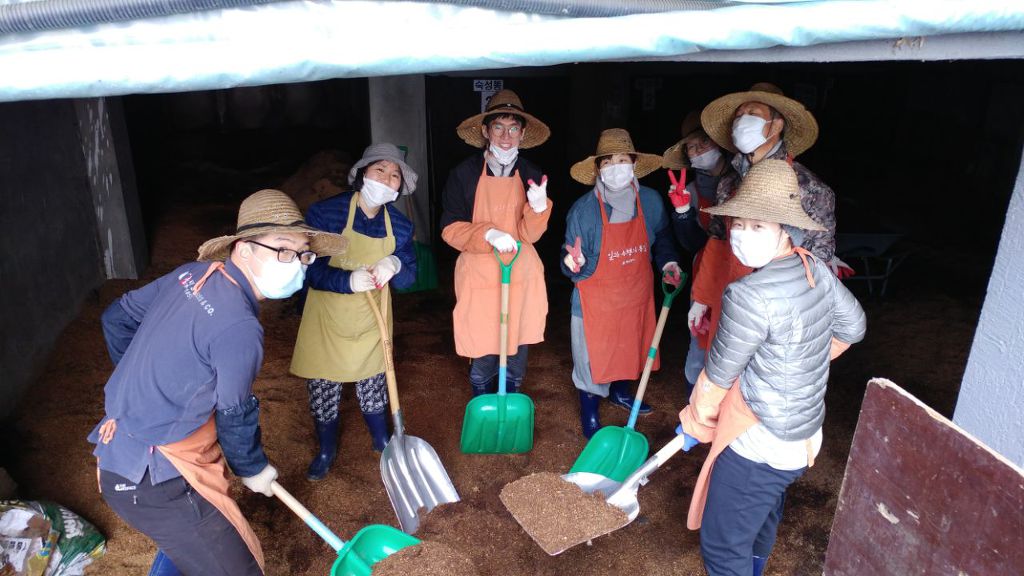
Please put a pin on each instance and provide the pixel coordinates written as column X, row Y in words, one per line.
column 190, row 531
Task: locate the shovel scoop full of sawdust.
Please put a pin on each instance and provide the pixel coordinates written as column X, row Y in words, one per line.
column 558, row 514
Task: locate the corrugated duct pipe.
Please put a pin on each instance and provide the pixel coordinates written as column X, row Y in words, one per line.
column 42, row 15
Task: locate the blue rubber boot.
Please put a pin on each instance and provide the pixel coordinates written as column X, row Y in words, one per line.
column 759, row 565
column 619, row 395
column 162, row 566
column 377, row 424
column 589, row 413
column 481, row 389
column 327, row 436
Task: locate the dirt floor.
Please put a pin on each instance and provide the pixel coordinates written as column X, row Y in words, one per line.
column 918, row 336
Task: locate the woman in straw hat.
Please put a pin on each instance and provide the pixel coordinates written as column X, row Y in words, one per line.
column 612, row 234
column 338, row 339
column 706, row 161
column 187, row 348
column 496, row 200
column 758, row 124
column 760, row 400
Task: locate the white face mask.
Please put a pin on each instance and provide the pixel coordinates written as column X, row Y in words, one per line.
column 708, row 160
column 755, row 248
column 376, row 194
column 617, row 176
column 748, row 133
column 504, row 157
column 279, row 279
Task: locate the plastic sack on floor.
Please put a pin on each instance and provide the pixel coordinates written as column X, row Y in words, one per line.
column 41, row 538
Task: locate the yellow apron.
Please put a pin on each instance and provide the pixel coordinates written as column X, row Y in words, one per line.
column 338, row 338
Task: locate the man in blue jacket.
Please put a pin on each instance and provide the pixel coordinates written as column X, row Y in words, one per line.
column 179, row 404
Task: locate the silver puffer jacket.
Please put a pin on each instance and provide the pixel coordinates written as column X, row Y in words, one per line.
column 776, row 331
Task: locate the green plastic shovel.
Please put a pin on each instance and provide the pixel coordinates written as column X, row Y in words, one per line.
column 499, row 423
column 357, row 556
column 615, row 452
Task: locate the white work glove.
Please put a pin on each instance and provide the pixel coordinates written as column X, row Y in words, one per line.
column 502, row 241
column 360, row 280
column 672, row 274
column 695, row 318
column 841, row 269
column 574, row 259
column 385, row 269
column 260, row 483
column 538, row 195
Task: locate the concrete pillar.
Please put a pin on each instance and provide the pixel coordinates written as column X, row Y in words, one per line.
column 398, row 115
column 991, row 397
column 111, row 179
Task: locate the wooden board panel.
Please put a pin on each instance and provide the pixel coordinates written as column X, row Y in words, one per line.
column 921, row 496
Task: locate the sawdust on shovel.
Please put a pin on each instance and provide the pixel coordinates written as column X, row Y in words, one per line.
column 558, row 514
column 426, row 559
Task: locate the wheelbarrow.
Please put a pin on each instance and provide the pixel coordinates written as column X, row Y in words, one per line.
column 412, row 472
column 615, row 452
column 622, row 495
column 356, row 557
column 499, row 423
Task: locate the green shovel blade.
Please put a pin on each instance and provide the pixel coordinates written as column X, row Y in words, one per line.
column 498, row 424
column 369, row 546
column 613, row 452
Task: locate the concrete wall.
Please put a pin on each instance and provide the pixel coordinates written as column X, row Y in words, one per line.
column 398, row 115
column 991, row 398
column 51, row 258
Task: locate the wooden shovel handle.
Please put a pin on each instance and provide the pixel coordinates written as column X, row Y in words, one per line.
column 385, row 339
column 312, row 521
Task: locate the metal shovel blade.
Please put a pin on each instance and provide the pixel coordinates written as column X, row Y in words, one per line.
column 622, row 495
column 415, row 479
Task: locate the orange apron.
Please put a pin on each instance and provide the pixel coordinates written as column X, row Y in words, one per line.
column 734, row 418
column 499, row 200
column 718, row 267
column 618, row 301
column 201, row 463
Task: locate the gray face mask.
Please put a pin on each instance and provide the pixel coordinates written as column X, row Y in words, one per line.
column 708, row 160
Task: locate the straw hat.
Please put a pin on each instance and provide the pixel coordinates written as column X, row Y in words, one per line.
column 270, row 211
column 504, row 102
column 801, row 128
column 675, row 156
column 614, row 141
column 392, row 153
column 770, row 193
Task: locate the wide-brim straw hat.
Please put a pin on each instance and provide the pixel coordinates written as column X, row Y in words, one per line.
column 799, row 134
column 614, row 141
column 675, row 156
column 392, row 153
column 535, row 132
column 769, row 193
column 267, row 212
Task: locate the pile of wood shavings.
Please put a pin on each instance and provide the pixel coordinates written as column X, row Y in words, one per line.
column 426, row 559
column 558, row 514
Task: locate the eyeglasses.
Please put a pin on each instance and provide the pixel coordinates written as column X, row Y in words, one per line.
column 698, row 145
column 287, row 255
column 499, row 129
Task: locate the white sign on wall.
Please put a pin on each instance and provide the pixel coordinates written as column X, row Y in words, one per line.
column 487, row 88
